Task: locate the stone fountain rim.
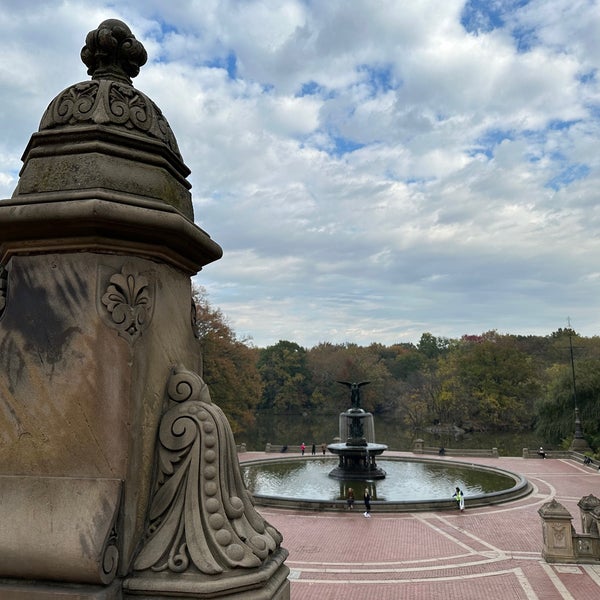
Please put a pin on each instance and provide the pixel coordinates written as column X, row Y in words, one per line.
column 521, row 489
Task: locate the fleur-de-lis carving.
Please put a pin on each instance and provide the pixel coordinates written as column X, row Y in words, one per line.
column 128, row 300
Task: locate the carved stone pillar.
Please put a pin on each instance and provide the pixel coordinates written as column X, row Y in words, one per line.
column 118, row 475
column 557, row 532
column 586, row 509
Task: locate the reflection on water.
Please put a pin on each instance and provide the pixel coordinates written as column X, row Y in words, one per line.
column 406, row 481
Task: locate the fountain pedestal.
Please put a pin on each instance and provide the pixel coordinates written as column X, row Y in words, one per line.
column 357, row 462
column 357, row 457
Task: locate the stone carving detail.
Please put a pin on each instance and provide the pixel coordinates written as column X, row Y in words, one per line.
column 201, row 517
column 129, row 301
column 107, row 102
column 3, row 288
column 110, row 558
column 111, row 51
column 560, row 538
column 113, row 56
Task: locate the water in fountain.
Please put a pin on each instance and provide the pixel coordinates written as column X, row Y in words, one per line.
column 357, row 456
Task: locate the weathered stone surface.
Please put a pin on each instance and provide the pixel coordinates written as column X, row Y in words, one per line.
column 80, row 512
column 97, row 246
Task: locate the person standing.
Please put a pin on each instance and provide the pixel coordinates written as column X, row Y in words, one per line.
column 314, row 449
column 302, row 447
column 460, row 498
column 367, row 499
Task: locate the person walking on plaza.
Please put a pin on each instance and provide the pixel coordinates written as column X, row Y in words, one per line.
column 367, row 499
column 314, row 449
column 460, row 498
column 302, row 447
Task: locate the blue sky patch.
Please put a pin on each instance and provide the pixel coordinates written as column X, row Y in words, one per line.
column 380, row 79
column 309, row 88
column 525, row 38
column 345, row 146
column 589, row 77
column 483, row 16
column 229, row 63
column 568, row 175
column 486, row 143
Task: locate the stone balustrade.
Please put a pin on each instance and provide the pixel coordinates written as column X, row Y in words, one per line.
column 562, row 544
column 420, row 448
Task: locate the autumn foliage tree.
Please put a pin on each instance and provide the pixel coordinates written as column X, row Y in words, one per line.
column 229, row 365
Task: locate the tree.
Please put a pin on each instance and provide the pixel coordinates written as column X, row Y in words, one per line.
column 556, row 412
column 229, row 365
column 489, row 383
column 285, row 376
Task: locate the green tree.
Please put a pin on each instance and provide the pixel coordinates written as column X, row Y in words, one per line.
column 489, row 384
column 556, row 412
column 286, row 378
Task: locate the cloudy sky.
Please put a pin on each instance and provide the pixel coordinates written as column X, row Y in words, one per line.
column 373, row 169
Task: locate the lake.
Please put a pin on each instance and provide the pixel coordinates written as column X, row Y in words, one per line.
column 293, row 429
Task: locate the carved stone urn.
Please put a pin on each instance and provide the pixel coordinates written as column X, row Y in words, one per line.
column 118, row 473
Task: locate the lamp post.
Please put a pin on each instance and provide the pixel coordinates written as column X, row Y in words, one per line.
column 578, row 444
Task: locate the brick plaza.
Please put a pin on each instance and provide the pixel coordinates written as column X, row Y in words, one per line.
column 485, row 553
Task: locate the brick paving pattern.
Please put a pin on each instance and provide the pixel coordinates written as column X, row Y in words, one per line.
column 485, row 553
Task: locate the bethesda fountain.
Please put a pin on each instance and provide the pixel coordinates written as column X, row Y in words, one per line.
column 357, row 456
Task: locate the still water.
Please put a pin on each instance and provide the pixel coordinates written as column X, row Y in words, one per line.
column 405, row 481
column 293, row 429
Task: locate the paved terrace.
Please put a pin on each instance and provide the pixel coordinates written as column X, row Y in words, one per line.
column 484, row 553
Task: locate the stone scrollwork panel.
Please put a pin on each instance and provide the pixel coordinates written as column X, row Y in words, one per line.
column 110, row 558
column 105, row 102
column 128, row 300
column 201, row 516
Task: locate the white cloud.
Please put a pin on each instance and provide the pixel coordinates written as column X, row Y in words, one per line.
column 372, row 171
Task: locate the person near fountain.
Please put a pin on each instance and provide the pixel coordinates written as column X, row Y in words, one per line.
column 350, row 498
column 302, row 447
column 367, row 500
column 323, row 448
column 314, row 449
column 460, row 499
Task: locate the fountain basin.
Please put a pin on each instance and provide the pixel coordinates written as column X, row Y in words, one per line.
column 303, row 483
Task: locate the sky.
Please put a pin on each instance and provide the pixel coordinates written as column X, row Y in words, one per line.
column 373, row 169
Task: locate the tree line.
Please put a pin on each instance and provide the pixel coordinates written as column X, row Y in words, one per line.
column 486, row 382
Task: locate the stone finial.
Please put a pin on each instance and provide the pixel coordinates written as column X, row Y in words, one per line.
column 112, row 52
column 589, row 502
column 554, row 510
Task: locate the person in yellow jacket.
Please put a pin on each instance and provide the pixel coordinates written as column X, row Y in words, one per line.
column 460, row 498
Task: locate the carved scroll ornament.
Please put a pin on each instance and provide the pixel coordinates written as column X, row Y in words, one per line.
column 201, row 518
column 107, row 102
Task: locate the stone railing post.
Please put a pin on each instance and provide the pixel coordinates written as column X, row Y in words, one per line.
column 586, row 509
column 558, row 533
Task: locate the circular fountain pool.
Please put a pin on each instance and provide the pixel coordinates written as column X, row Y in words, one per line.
column 411, row 484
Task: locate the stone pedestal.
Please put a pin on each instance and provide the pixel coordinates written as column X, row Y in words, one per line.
column 98, row 450
column 558, row 533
